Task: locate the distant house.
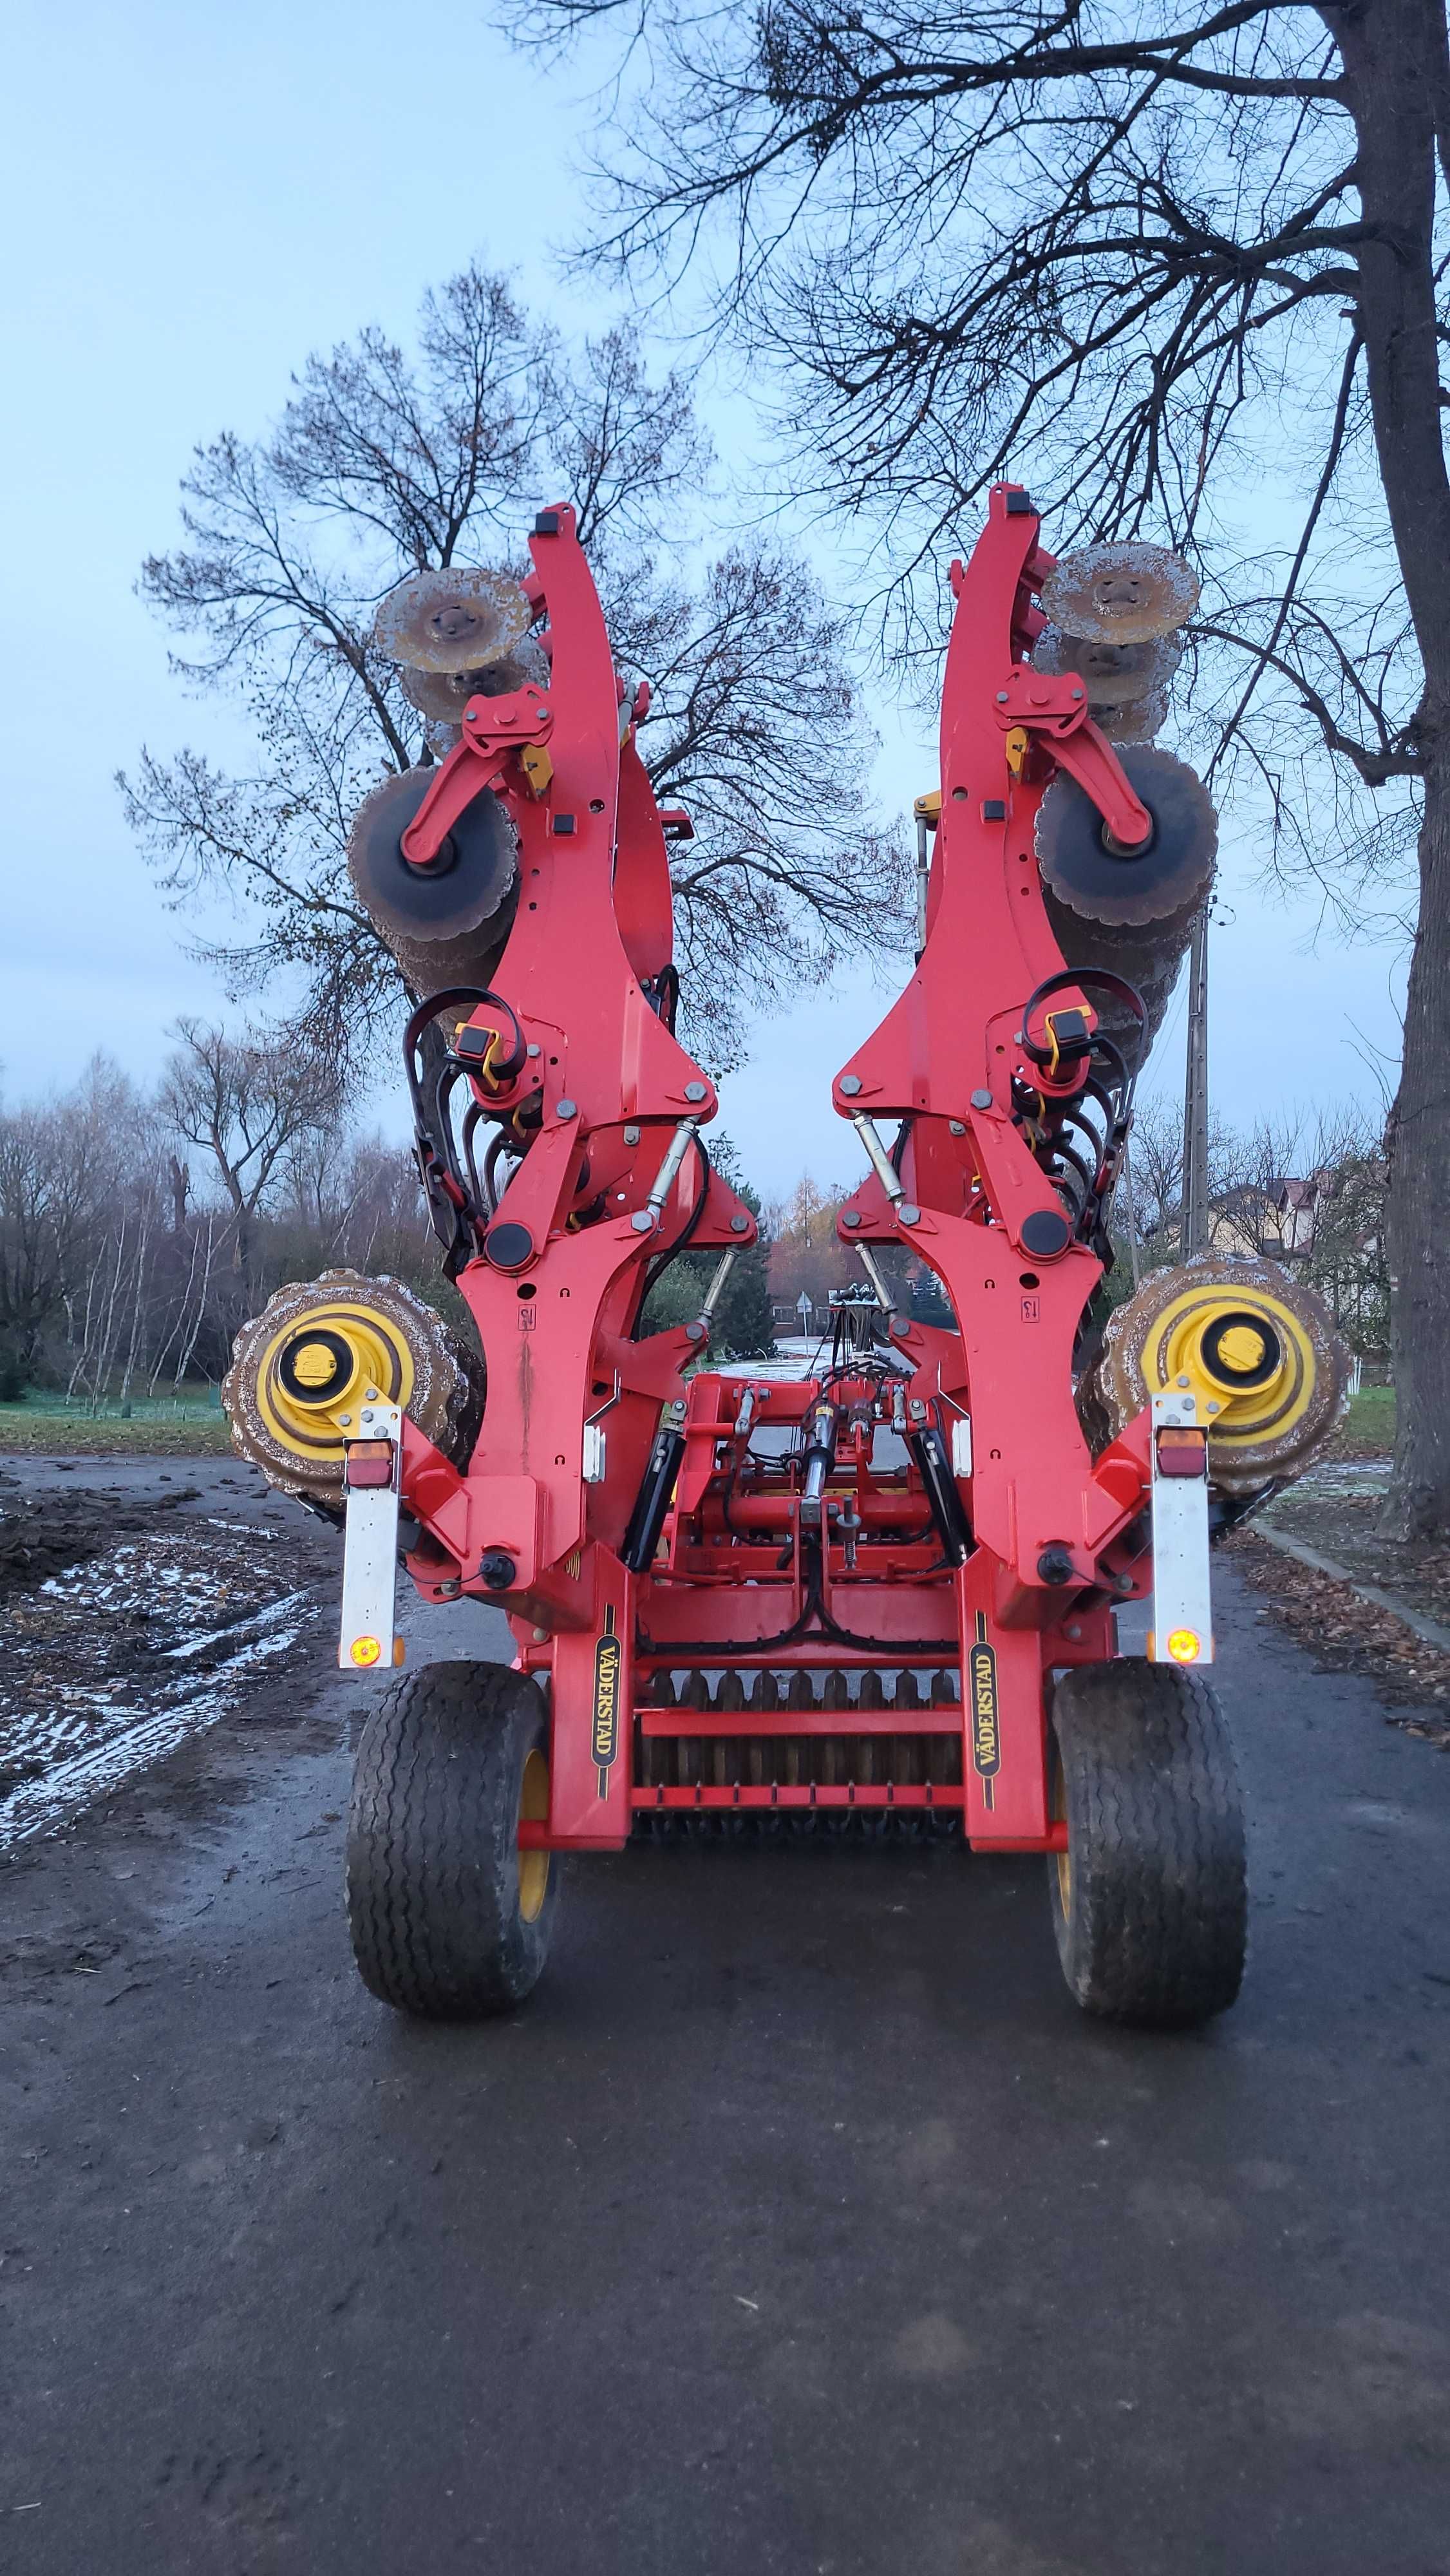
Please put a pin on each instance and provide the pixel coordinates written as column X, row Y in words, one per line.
column 1236, row 1221
column 1292, row 1214
column 1277, row 1218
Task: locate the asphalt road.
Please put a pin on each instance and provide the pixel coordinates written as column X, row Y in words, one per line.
column 800, row 2223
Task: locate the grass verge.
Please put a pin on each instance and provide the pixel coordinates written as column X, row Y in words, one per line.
column 33, row 1431
column 1368, row 1428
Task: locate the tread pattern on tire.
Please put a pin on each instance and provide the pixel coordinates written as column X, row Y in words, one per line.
column 1157, row 1926
column 432, row 1846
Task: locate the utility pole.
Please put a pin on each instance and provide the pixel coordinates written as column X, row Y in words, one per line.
column 1194, row 1233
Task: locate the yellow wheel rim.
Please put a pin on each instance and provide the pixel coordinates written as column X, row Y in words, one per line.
column 1243, row 1351
column 1059, row 1817
column 321, row 1366
column 534, row 1810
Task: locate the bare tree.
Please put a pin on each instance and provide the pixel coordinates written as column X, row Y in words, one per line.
column 246, row 1101
column 383, row 462
column 60, row 1162
column 111, row 1279
column 756, row 727
column 1187, row 278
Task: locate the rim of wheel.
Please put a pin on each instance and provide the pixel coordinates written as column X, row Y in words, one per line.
column 1059, row 1817
column 534, row 1810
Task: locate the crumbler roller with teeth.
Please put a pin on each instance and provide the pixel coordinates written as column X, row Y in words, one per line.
column 881, row 1595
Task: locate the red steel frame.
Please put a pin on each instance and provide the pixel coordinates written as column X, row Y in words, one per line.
column 602, row 1091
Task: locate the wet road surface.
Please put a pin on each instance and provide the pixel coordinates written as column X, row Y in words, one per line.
column 799, row 2223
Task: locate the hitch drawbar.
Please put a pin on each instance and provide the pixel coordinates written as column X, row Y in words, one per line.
column 370, row 1546
column 1182, row 1630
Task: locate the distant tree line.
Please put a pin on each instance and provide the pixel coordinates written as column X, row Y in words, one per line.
column 139, row 1229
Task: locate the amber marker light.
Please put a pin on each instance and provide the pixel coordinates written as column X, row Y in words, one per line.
column 366, row 1650
column 1184, row 1645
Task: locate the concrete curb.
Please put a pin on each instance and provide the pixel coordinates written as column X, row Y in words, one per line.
column 1430, row 1630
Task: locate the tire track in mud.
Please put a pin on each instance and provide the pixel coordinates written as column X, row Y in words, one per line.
column 111, row 1662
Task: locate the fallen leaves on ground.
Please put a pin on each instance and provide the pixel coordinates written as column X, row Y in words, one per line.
column 1347, row 1634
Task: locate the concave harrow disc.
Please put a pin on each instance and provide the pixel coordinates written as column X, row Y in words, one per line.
column 1149, row 958
column 1120, row 594
column 1140, row 721
column 465, row 887
column 1172, row 875
column 443, row 695
column 1115, row 674
column 452, row 621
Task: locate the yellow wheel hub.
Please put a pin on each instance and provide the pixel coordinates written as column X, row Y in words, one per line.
column 1256, row 1348
column 1246, row 1355
column 303, row 1370
column 316, row 1372
column 534, row 1810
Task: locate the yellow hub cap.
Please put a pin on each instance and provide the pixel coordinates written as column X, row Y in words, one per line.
column 534, row 1810
column 313, row 1365
column 1242, row 1349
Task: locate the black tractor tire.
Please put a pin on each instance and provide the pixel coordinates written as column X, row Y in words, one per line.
column 449, row 1919
column 1149, row 1902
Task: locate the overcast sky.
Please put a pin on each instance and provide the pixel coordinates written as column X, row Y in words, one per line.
column 197, row 196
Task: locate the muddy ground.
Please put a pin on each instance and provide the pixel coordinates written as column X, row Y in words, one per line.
column 138, row 1604
column 1336, row 1509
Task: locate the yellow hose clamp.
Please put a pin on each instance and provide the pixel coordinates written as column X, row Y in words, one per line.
column 481, row 1068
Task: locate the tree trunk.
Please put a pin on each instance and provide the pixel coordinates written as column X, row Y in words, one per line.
column 1394, row 55
column 1418, row 1503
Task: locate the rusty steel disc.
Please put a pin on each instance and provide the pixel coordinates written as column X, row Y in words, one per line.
column 1150, row 959
column 458, row 620
column 1140, row 721
column 443, row 695
column 1120, row 594
column 1114, row 674
column 1169, row 875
